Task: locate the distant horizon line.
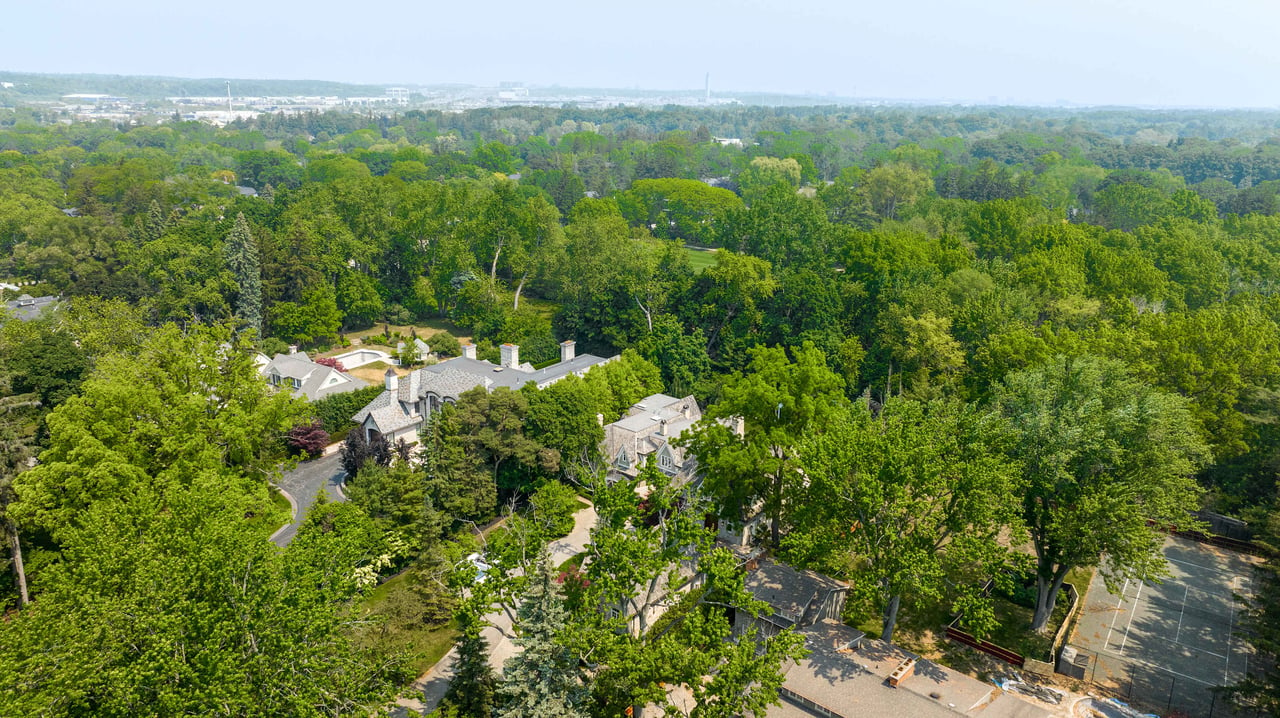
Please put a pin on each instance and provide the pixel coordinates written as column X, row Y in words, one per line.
column 827, row 97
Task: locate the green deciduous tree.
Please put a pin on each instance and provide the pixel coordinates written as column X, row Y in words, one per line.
column 316, row 319
column 891, row 188
column 641, row 549
column 728, row 298
column 780, row 399
column 905, row 503
column 182, row 404
column 165, row 604
column 359, row 300
column 1103, row 455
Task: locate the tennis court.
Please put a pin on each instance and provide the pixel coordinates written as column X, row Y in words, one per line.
column 1166, row 645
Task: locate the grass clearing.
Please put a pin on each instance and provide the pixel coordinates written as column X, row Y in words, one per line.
column 424, row 644
column 700, row 259
column 374, row 372
column 424, row 330
column 542, row 307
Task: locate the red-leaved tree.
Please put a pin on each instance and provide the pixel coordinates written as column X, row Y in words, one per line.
column 331, row 362
column 309, row 439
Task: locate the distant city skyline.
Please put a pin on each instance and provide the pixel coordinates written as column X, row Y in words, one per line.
column 1172, row 53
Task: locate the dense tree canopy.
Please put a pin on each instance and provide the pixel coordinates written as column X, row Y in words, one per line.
column 1104, row 282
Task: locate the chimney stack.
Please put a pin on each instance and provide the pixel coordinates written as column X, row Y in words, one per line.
column 511, row 356
column 390, row 380
column 662, row 427
column 293, row 348
column 567, row 350
column 468, row 350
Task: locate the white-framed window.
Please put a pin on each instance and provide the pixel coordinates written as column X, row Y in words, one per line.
column 666, row 460
column 622, row 461
column 274, row 379
column 296, row 382
column 666, row 463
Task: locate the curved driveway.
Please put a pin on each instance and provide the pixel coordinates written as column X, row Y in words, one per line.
column 303, row 484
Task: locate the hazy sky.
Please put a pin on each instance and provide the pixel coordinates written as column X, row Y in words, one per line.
column 1132, row 52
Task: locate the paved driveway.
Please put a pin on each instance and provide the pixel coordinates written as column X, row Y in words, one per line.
column 303, row 485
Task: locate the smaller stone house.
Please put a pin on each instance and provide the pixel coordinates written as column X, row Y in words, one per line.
column 646, row 433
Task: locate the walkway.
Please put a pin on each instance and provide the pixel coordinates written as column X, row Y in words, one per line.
column 303, row 484
column 429, row 690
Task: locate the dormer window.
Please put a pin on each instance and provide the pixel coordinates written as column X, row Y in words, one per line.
column 623, row 461
column 666, row 462
column 296, row 382
column 274, row 378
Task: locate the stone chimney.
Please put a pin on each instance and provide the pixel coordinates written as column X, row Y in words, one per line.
column 468, row 350
column 511, row 356
column 293, row 348
column 662, row 427
column 390, row 380
column 567, row 350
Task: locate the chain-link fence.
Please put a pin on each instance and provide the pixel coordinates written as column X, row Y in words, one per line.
column 1168, row 694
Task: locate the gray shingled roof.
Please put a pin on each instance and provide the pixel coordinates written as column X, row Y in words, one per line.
column 318, row 381
column 387, row 413
column 637, row 432
column 449, row 379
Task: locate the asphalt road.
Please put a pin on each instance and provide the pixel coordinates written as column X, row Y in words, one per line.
column 303, row 485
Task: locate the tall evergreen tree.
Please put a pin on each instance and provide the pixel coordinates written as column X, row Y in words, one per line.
column 542, row 680
column 472, row 692
column 155, row 223
column 241, row 253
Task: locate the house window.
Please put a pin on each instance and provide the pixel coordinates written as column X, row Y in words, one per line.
column 666, row 463
column 623, row 461
column 274, row 379
column 297, row 383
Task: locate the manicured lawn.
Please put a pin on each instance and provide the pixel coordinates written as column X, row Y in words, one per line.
column 373, row 373
column 425, row 645
column 700, row 259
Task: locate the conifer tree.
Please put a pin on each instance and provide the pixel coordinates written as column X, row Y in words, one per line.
column 472, row 692
column 542, row 680
column 241, row 253
column 155, row 223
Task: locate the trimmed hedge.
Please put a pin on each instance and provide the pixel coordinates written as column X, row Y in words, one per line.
column 335, row 411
